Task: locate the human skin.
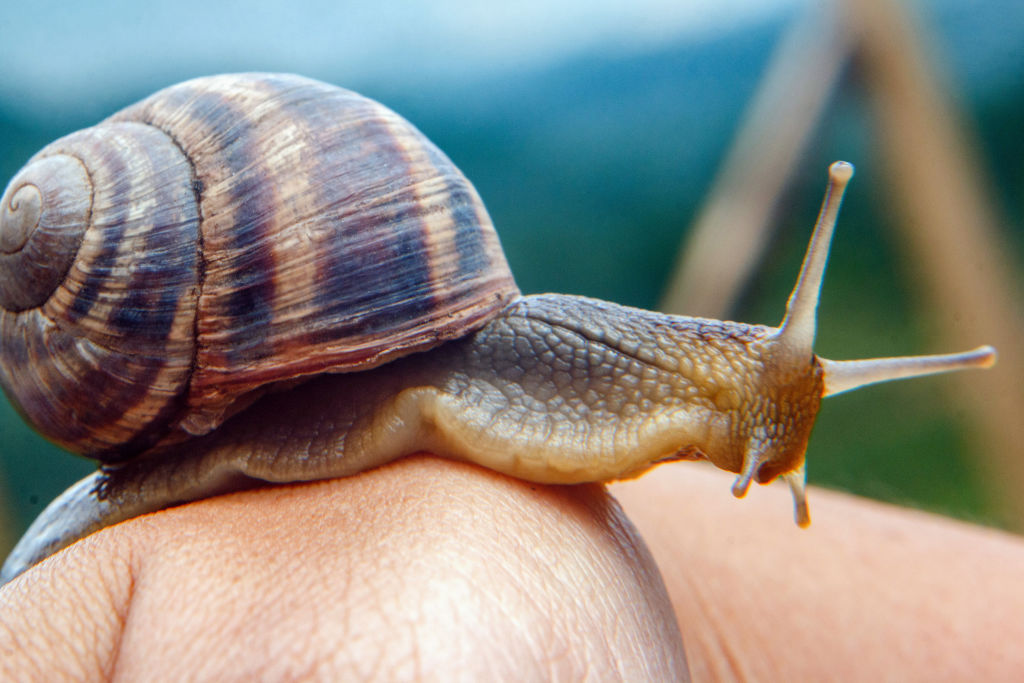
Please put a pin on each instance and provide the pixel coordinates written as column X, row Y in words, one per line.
column 868, row 592
column 421, row 570
column 437, row 570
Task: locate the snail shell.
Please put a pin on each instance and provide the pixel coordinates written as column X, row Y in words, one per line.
column 160, row 269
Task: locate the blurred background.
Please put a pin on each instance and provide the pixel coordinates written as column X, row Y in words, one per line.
column 659, row 154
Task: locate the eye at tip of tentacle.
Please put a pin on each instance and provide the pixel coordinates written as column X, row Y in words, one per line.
column 798, row 328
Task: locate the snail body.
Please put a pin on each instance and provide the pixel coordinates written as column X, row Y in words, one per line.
column 281, row 229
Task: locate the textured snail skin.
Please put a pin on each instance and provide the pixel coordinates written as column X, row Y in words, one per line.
column 555, row 389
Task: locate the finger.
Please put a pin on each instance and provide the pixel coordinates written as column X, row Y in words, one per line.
column 423, row 568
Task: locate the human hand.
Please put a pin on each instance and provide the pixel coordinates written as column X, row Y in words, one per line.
column 424, row 569
column 433, row 569
column 868, row 592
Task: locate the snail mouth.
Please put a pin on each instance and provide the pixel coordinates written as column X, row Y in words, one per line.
column 770, row 470
column 688, row 453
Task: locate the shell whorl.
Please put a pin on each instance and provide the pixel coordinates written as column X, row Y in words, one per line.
column 101, row 360
column 42, row 219
column 283, row 228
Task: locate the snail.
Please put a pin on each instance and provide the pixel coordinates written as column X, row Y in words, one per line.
column 198, row 254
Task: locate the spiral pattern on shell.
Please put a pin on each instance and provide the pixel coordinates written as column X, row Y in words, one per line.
column 227, row 233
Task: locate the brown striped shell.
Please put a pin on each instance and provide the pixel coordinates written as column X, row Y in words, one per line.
column 159, row 269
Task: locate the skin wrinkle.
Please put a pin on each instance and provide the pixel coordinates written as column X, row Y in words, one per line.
column 460, row 577
column 615, row 521
column 439, row 588
column 580, row 333
column 538, row 632
column 122, row 610
column 653, row 356
column 660, row 370
column 93, row 618
column 636, row 555
column 538, row 324
column 280, row 603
